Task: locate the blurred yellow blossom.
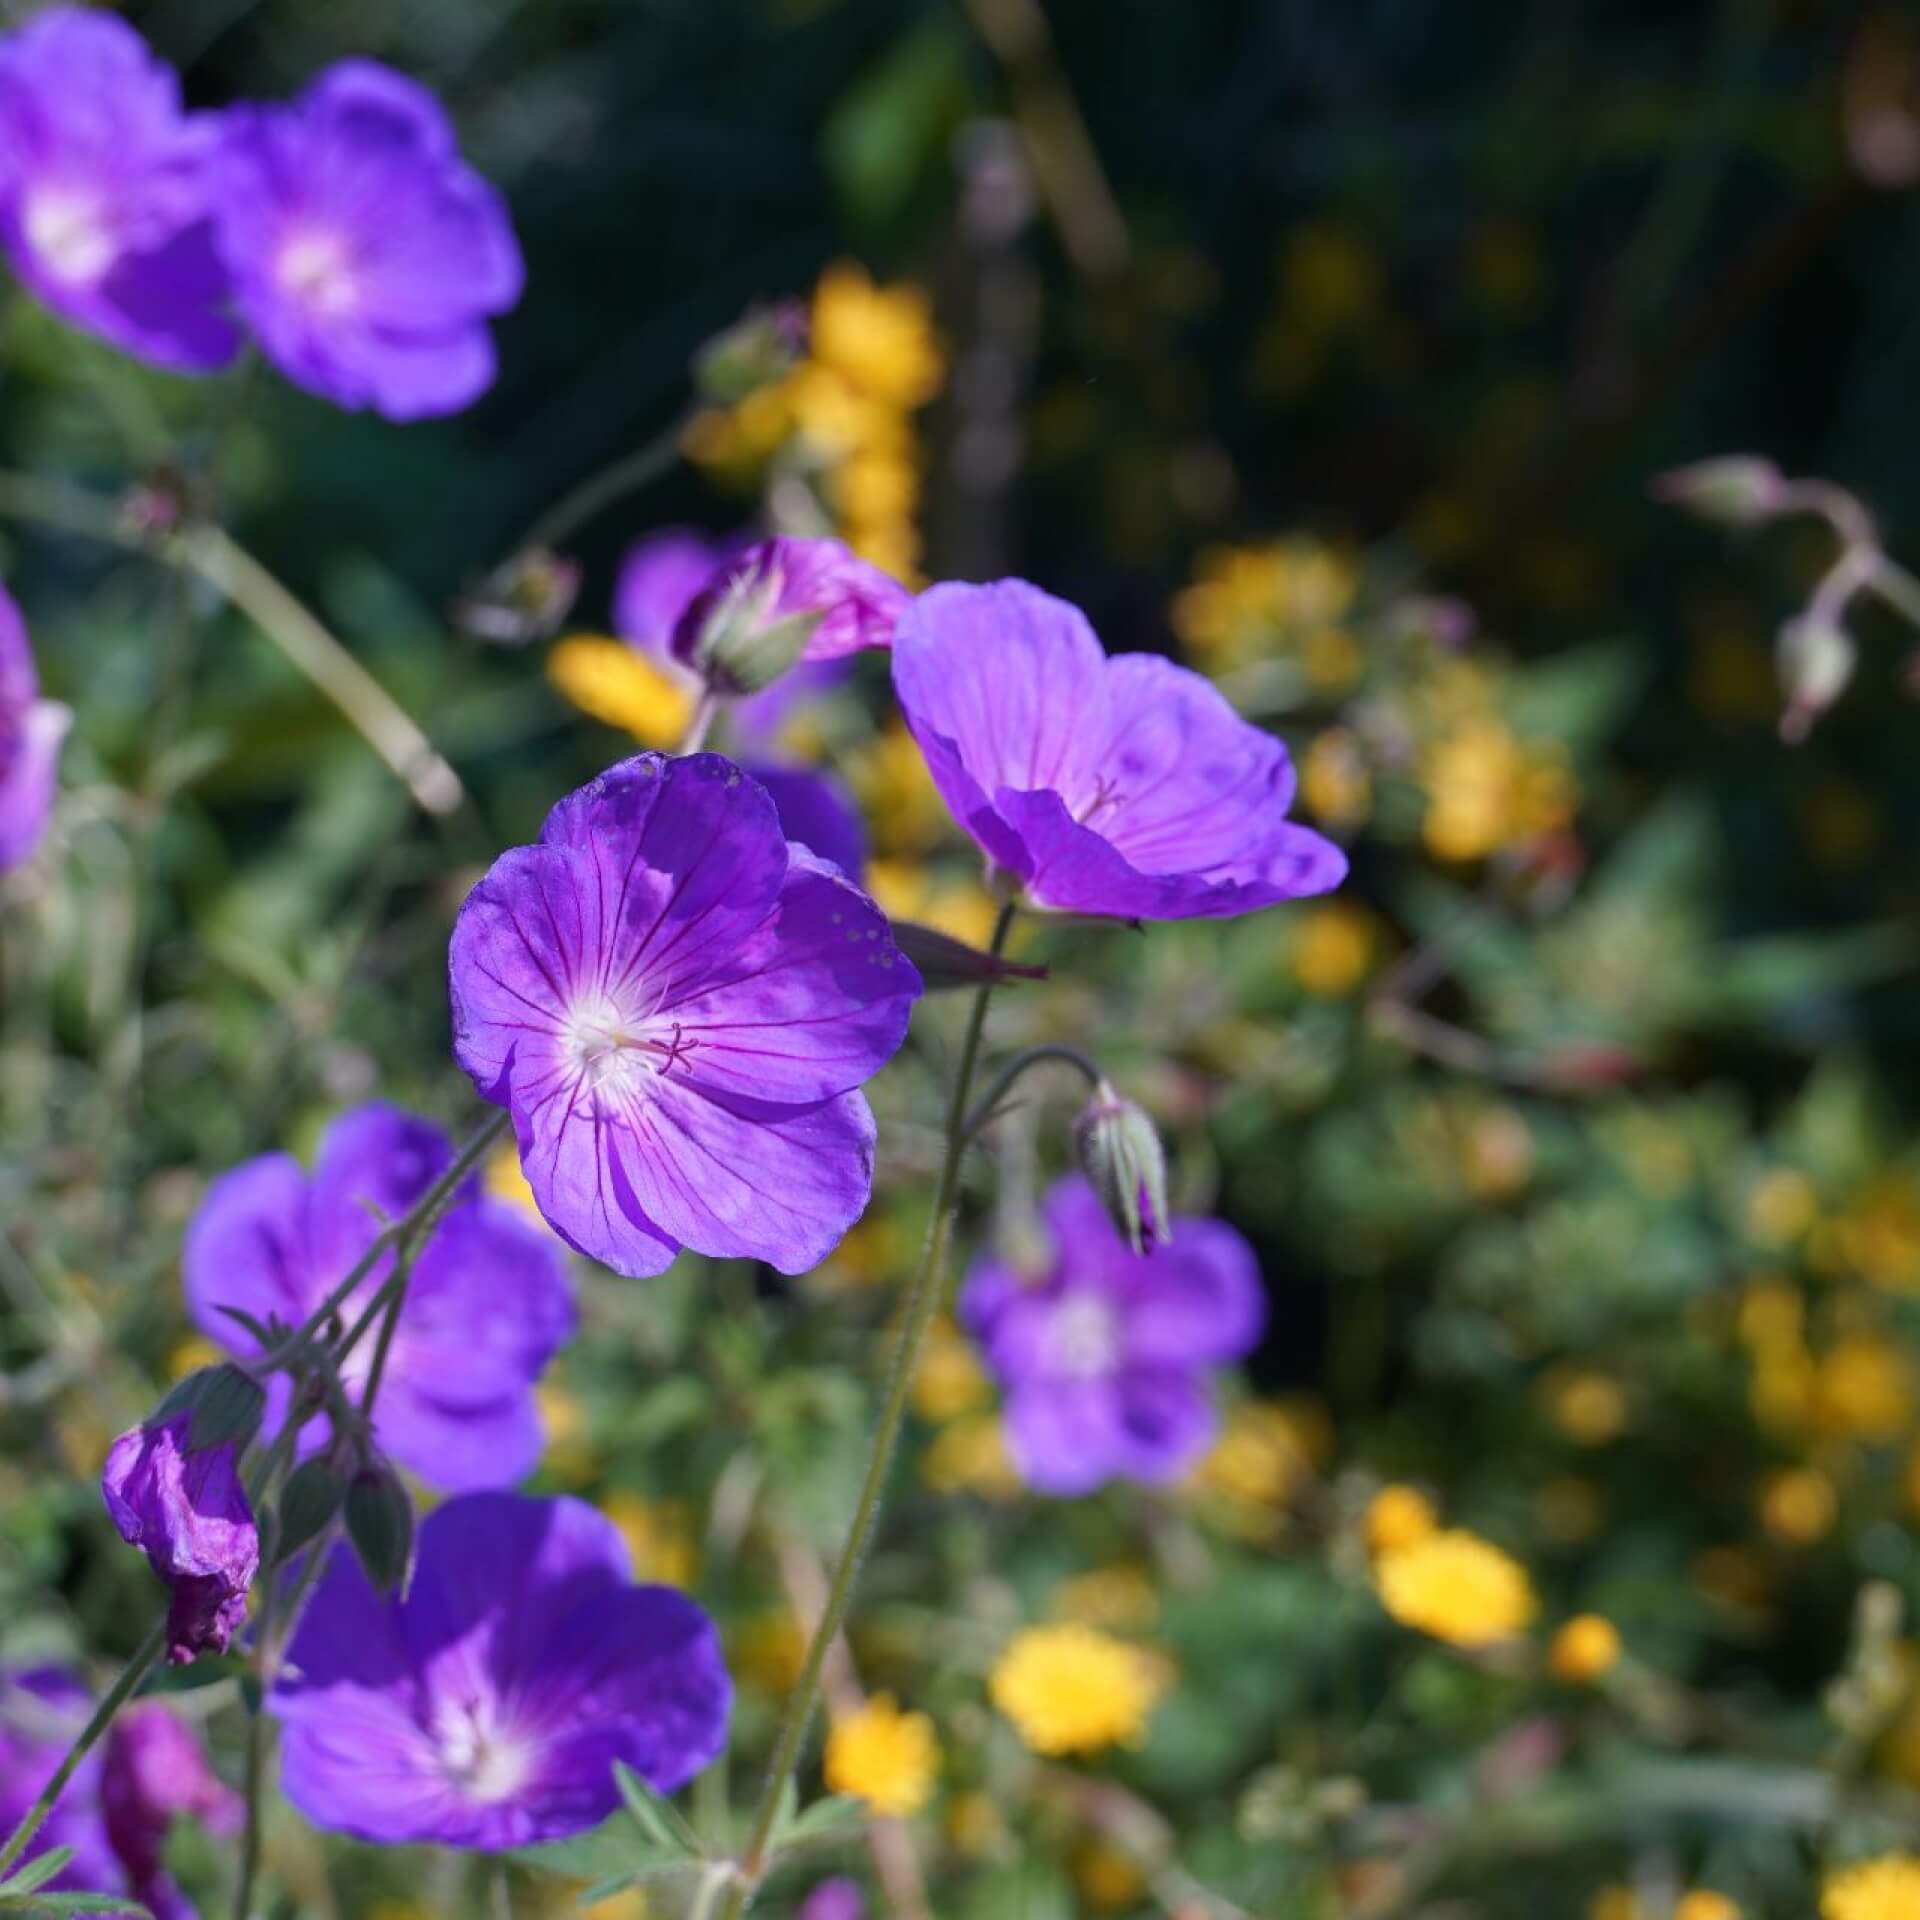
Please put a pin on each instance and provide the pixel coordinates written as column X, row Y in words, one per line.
column 1486, row 789
column 1110, row 1881
column 1283, row 598
column 1884, row 1889
column 1880, row 1233
column 1703, row 1903
column 1781, row 1205
column 1863, row 1388
column 1398, row 1516
column 659, row 1536
column 882, row 338
column 1071, row 1689
column 768, row 1652
column 1335, row 782
column 191, row 1354
column 875, row 1250
column 1457, row 1587
column 1615, row 1903
column 1585, row 1649
column 889, row 778
column 568, row 1453
column 1797, row 1506
column 1266, row 1450
column 974, row 1825
column 950, row 1380
column 1334, row 948
column 885, row 1757
column 1588, row 1406
column 620, row 687
column 506, row 1179
column 950, row 903
column 1122, row 1598
column 970, row 1456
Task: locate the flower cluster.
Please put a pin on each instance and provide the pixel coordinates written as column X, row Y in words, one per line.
column 342, row 229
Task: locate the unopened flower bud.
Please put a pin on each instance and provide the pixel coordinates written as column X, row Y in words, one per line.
column 1738, row 490
column 942, row 961
column 223, row 1403
column 524, row 600
column 781, row 602
column 380, row 1525
column 312, row 1496
column 1119, row 1149
column 762, row 346
column 1816, row 659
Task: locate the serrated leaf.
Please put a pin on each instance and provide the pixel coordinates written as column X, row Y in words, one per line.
column 35, row 1873
column 598, row 1854
column 655, row 1815
column 838, row 1817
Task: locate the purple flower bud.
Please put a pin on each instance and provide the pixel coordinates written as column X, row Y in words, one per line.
column 156, row 1772
column 781, row 602
column 1816, row 658
column 1737, row 490
column 837, row 1899
column 185, row 1509
column 758, row 349
column 1120, row 1152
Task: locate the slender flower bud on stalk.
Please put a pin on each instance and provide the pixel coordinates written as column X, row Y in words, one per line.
column 1816, row 659
column 380, row 1525
column 1119, row 1149
column 1740, row 490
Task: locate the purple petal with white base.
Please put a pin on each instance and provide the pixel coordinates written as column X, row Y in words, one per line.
column 31, row 730
column 852, row 604
column 103, row 190
column 679, row 1009
column 487, row 1305
column 1124, row 787
column 366, row 255
column 1103, row 1360
column 487, row 1708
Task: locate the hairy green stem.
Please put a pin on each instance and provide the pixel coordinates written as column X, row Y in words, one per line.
column 1002, row 1083
column 600, row 490
column 923, row 1302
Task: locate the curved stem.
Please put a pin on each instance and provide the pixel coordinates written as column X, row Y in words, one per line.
column 700, row 724
column 626, row 475
column 116, row 1696
column 1002, row 1082
column 923, row 1303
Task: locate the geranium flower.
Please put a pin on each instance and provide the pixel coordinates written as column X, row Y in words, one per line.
column 487, row 1708
column 1124, row 786
column 1104, row 1359
column 31, row 730
column 365, row 253
column 42, row 1709
column 103, row 190
column 818, row 812
column 679, row 1009
column 185, row 1509
column 487, row 1303
column 155, row 1773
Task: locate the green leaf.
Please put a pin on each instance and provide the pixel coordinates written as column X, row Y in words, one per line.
column 1032, row 1890
column 895, row 122
column 36, row 1873
column 613, row 1853
column 39, row 1904
column 655, row 1815
column 838, row 1817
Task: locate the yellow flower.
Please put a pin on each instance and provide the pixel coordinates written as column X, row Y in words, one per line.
column 880, row 338
column 506, row 1179
column 1615, row 1903
column 1884, row 1889
column 658, row 1537
column 1781, row 1206
column 1457, row 1587
column 568, row 1454
column 1398, row 1517
column 973, row 1824
column 191, row 1354
column 622, row 688
column 970, row 1456
column 1586, row 1648
column 949, row 903
column 1797, row 1506
column 1121, row 1597
column 1071, row 1689
column 1589, row 1407
column 876, row 485
column 1863, row 1388
column 1880, row 1234
column 883, row 1756
column 1335, row 782
column 837, row 418
column 1705, row 1904
column 891, row 545
column 874, row 1251
column 950, row 1380
column 1334, row 948
column 768, row 1653
column 1267, row 1450
column 1486, row 789
column 1109, row 1880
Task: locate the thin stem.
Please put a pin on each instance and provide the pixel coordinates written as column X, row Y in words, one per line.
column 216, row 558
column 700, row 724
column 116, row 1696
column 626, row 475
column 1897, row 587
column 255, row 1775
column 1002, row 1083
column 923, row 1303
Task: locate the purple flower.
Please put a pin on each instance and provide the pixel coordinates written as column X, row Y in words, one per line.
column 837, row 1899
column 488, row 1707
column 786, row 601
column 365, row 253
column 41, row 1710
column 1122, row 786
column 156, row 1772
column 487, row 1304
column 1103, row 1360
column 31, row 730
column 185, row 1509
column 818, row 812
column 679, row 1009
column 103, row 190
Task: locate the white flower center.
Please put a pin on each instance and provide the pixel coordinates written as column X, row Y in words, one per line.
column 1085, row 1338
column 481, row 1757
column 316, row 269
column 69, row 234
column 615, row 1052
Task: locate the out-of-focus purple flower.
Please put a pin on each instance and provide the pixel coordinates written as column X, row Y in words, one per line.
column 103, row 190
column 785, row 601
column 41, row 1710
column 1103, row 1360
column 818, row 812
column 185, row 1509
column 1124, row 786
column 31, row 730
column 487, row 1304
column 365, row 253
column 488, row 1707
column 837, row 1899
column 156, row 1772
column 679, row 1009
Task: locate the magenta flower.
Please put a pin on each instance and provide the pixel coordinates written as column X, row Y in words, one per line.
column 487, row 1305
column 679, row 1009
column 41, row 1710
column 185, row 1509
column 1122, row 786
column 366, row 255
column 817, row 812
column 786, row 601
column 155, row 1773
column 1103, row 1360
column 488, row 1707
column 103, row 190
column 31, row 730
